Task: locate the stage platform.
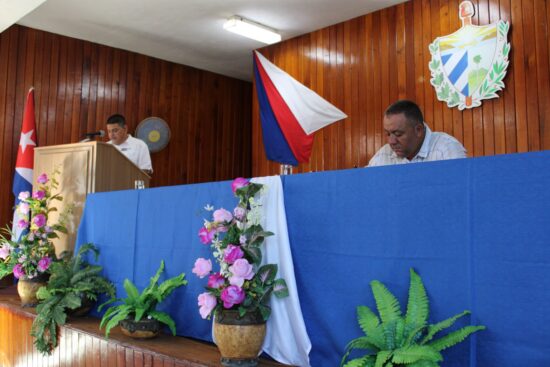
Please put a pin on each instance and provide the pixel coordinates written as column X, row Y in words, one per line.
column 82, row 344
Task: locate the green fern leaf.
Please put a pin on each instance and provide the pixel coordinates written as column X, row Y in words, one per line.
column 388, row 306
column 434, row 329
column 367, row 319
column 131, row 289
column 382, row 357
column 418, row 306
column 165, row 319
column 114, row 321
column 366, row 361
column 455, row 337
column 415, row 353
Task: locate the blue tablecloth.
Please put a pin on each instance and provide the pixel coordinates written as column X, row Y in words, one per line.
column 476, row 230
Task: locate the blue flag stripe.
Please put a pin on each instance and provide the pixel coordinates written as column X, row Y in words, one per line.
column 276, row 146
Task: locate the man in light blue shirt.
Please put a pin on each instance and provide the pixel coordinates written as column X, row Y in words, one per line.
column 411, row 140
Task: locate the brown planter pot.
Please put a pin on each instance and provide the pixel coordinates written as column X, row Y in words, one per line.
column 27, row 288
column 142, row 329
column 239, row 339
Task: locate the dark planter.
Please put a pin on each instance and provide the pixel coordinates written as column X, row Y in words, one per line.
column 142, row 329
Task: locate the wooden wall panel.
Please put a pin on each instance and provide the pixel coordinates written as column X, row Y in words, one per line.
column 78, row 84
column 366, row 63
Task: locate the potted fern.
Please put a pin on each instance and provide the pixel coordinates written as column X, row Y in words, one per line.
column 73, row 287
column 137, row 315
column 396, row 340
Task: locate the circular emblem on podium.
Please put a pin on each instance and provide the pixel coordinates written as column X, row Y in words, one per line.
column 155, row 132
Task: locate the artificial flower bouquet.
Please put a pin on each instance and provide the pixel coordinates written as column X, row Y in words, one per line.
column 31, row 255
column 235, row 238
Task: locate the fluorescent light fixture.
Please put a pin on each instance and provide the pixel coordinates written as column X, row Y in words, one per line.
column 253, row 30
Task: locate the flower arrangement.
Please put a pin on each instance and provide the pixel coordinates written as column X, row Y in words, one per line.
column 32, row 254
column 235, row 239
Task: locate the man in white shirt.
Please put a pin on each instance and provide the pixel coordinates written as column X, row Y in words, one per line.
column 135, row 149
column 411, row 140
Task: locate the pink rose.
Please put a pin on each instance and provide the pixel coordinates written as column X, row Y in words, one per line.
column 216, row 281
column 202, row 267
column 242, row 270
column 232, row 253
column 207, row 303
column 232, row 295
column 206, row 236
column 18, row 271
column 42, row 179
column 22, row 224
column 39, row 194
column 23, row 207
column 24, row 195
column 5, row 251
column 39, row 220
column 238, row 183
column 239, row 213
column 222, row 216
column 44, row 263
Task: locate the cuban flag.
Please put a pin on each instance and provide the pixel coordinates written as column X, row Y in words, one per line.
column 290, row 113
column 22, row 180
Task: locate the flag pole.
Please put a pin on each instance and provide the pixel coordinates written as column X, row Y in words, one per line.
column 285, row 169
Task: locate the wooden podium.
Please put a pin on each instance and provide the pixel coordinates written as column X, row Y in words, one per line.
column 84, row 168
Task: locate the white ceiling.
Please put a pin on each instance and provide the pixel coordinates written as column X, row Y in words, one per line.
column 190, row 32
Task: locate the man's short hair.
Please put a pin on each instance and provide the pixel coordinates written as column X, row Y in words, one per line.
column 116, row 119
column 408, row 108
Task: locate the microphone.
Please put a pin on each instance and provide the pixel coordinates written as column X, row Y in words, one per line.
column 100, row 133
column 89, row 136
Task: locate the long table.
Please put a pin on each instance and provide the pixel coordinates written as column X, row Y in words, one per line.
column 476, row 230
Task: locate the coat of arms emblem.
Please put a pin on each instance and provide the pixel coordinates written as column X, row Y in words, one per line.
column 469, row 65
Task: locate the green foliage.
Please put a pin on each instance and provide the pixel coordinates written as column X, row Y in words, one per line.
column 142, row 305
column 396, row 340
column 72, row 281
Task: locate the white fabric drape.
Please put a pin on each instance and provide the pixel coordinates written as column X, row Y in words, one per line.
column 286, row 340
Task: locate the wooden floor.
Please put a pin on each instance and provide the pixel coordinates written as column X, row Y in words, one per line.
column 81, row 344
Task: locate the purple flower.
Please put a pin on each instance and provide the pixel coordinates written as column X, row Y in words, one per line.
column 242, row 270
column 23, row 207
column 24, row 195
column 202, row 267
column 39, row 220
column 44, row 263
column 239, row 213
column 42, row 179
column 232, row 295
column 222, row 216
column 232, row 253
column 238, row 183
column 5, row 251
column 242, row 239
column 22, row 224
column 18, row 271
column 207, row 302
column 216, row 281
column 206, row 236
column 40, row 194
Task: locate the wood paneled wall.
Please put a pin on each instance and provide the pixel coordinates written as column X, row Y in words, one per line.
column 78, row 84
column 364, row 64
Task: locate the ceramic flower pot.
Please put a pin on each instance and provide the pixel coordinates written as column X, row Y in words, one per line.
column 142, row 329
column 239, row 339
column 27, row 288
